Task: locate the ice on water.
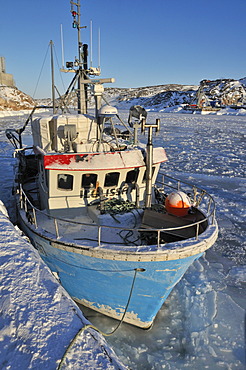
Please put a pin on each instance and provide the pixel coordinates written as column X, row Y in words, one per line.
column 202, row 323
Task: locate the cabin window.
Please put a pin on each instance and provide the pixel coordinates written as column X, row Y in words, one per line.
column 65, row 182
column 89, row 180
column 132, row 176
column 111, row 179
column 144, row 177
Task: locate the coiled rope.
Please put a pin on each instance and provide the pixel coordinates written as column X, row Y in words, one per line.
column 116, row 206
column 136, row 270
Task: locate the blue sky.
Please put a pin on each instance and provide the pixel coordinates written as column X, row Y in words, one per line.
column 142, row 42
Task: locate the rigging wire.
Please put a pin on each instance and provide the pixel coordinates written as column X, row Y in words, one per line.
column 57, row 62
column 41, row 71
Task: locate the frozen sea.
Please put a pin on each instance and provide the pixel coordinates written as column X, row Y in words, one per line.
column 202, row 323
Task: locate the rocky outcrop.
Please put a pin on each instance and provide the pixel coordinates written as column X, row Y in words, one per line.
column 222, row 92
column 13, row 99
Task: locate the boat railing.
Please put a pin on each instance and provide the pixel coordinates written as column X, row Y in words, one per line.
column 199, row 196
column 202, row 199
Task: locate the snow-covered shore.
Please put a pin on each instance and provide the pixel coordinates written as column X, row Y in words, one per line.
column 12, row 113
column 175, row 109
column 38, row 318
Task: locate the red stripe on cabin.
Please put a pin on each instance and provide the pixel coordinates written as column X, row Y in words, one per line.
column 66, row 159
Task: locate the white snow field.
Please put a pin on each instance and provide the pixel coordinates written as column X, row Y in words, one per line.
column 202, row 323
column 38, row 318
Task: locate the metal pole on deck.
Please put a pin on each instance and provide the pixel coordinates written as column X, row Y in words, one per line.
column 149, row 160
column 149, row 164
column 52, row 75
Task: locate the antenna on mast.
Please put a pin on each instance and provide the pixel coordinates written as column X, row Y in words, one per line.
column 62, row 47
column 92, row 70
column 99, row 49
column 52, row 74
column 91, row 43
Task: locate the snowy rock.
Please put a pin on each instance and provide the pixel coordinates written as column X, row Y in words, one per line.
column 13, row 99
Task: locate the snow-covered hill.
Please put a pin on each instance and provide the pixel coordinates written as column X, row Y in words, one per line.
column 171, row 97
column 160, row 96
column 12, row 99
column 223, row 92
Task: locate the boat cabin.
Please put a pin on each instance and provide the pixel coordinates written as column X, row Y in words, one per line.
column 78, row 164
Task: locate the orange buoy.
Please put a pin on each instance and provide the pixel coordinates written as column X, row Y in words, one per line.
column 178, row 203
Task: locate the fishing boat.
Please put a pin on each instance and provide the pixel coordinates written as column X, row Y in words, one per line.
column 97, row 205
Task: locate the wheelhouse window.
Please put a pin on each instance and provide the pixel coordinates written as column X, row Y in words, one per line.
column 132, row 176
column 111, row 179
column 89, row 180
column 65, row 182
column 144, row 177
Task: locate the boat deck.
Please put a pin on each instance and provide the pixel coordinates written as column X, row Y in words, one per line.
column 136, row 229
column 93, row 228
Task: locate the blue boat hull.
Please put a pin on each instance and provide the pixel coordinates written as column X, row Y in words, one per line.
column 104, row 285
column 110, row 296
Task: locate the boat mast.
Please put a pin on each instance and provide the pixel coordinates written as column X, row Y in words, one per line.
column 81, row 62
column 83, row 72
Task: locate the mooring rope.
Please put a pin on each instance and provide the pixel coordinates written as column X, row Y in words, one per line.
column 90, row 326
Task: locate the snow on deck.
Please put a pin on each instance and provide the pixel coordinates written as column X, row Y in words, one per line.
column 38, row 318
